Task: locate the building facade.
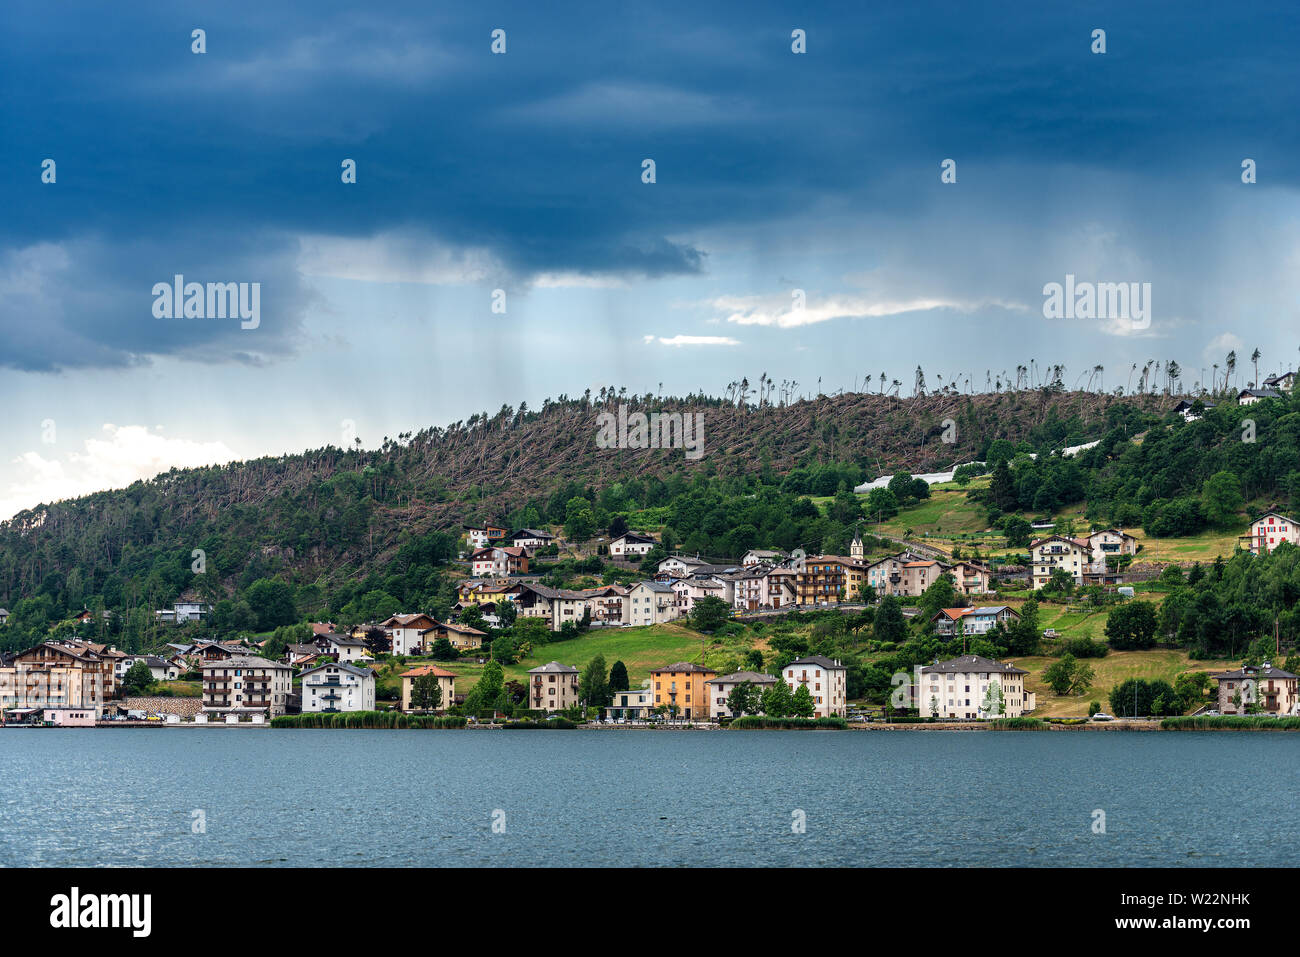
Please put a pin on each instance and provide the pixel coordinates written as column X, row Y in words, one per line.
column 721, row 687
column 337, row 687
column 826, row 681
column 1046, row 555
column 446, row 681
column 960, row 689
column 244, row 684
column 683, row 689
column 1262, row 688
column 1269, row 531
column 552, row 687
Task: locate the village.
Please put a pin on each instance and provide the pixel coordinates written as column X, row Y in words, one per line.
column 68, row 682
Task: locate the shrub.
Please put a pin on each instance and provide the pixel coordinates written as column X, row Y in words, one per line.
column 1085, row 648
column 1231, row 722
column 1018, row 724
column 759, row 721
column 367, row 719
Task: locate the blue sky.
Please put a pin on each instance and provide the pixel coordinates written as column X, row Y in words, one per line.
column 521, row 171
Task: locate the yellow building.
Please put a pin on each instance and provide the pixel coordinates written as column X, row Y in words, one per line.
column 683, row 686
column 446, row 684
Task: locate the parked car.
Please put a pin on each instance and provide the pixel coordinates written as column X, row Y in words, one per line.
column 1103, row 716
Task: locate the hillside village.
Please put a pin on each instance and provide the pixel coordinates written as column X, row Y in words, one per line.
column 72, row 682
column 989, row 616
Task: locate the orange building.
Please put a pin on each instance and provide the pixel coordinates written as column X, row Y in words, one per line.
column 685, row 686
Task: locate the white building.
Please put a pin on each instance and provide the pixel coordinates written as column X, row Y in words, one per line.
column 720, row 689
column 1251, row 396
column 974, row 621
column 160, row 668
column 959, row 688
column 406, row 631
column 347, row 648
column 826, row 680
column 338, row 687
column 635, row 704
column 1111, row 542
column 531, row 538
column 650, row 603
column 1269, row 531
column 631, row 545
column 1283, row 383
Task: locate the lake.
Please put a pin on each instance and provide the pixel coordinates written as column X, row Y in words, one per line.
column 303, row 798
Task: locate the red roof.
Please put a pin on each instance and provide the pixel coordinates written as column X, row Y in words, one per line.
column 428, row 670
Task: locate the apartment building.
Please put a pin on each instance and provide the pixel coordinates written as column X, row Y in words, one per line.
column 344, row 647
column 750, row 588
column 552, row 687
column 721, row 687
column 446, row 684
column 826, row 681
column 59, row 674
column 905, row 575
column 829, row 579
column 691, row 590
column 607, row 604
column 971, row 578
column 337, row 687
column 634, row 704
column 1275, row 691
column 1046, row 555
column 650, row 603
column 245, row 684
column 959, row 688
column 683, row 688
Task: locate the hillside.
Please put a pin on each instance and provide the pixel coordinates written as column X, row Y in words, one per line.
column 330, row 513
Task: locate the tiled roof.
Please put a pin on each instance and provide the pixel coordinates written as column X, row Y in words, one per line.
column 427, row 670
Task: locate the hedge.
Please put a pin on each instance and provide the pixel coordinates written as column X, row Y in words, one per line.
column 367, row 719
column 1018, row 724
column 561, row 723
column 751, row 721
column 1230, row 722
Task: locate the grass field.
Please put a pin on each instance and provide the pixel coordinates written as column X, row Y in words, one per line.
column 947, row 518
column 640, row 649
column 1115, row 668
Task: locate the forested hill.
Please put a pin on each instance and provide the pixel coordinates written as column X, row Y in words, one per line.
column 332, row 512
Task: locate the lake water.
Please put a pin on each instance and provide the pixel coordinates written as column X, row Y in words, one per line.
column 428, row 798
